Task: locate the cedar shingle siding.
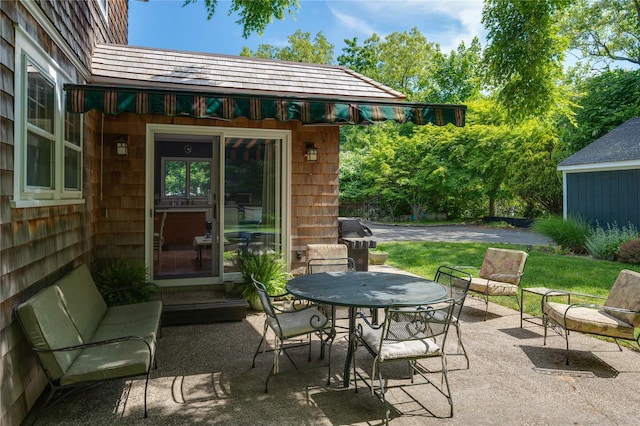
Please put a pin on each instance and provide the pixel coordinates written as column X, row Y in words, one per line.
column 38, row 245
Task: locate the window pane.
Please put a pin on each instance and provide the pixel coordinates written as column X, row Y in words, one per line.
column 72, row 124
column 175, row 178
column 72, row 170
column 39, row 161
column 41, row 100
column 199, row 178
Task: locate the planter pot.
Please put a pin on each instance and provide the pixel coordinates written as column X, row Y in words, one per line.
column 378, row 258
column 255, row 303
column 228, row 286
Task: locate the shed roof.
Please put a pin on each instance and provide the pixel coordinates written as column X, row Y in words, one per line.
column 621, row 145
column 142, row 66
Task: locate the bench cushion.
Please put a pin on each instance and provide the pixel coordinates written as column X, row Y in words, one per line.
column 123, row 359
column 48, row 326
column 140, row 319
column 83, row 300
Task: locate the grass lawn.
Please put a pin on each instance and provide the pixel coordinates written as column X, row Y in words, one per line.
column 543, row 269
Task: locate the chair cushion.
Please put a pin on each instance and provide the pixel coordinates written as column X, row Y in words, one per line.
column 625, row 294
column 502, row 261
column 48, row 326
column 297, row 323
column 122, row 359
column 588, row 320
column 83, row 300
column 393, row 349
column 326, row 251
column 493, row 288
column 139, row 319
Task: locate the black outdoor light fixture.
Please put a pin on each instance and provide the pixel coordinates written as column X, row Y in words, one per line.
column 122, row 146
column 311, row 153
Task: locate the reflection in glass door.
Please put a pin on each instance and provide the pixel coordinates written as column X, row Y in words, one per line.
column 252, row 205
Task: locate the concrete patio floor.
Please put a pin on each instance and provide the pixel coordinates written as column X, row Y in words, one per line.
column 204, row 376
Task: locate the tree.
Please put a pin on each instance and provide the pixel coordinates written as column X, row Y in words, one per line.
column 456, row 77
column 401, row 61
column 255, row 15
column 525, row 54
column 607, row 100
column 300, row 49
column 605, row 29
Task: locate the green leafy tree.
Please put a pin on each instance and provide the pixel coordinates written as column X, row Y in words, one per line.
column 300, row 49
column 255, row 15
column 533, row 175
column 402, row 61
column 525, row 54
column 455, row 77
column 607, row 100
column 605, row 29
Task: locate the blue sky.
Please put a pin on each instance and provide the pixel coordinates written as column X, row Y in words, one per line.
column 167, row 24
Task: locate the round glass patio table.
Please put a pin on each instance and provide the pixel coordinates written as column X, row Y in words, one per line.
column 365, row 290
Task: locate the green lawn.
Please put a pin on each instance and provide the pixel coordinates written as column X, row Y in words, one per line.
column 544, row 269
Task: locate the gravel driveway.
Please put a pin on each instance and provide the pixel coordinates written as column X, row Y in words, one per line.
column 457, row 233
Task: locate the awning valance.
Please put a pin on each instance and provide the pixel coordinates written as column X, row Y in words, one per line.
column 116, row 100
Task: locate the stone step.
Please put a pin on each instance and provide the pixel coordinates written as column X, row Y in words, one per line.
column 201, row 306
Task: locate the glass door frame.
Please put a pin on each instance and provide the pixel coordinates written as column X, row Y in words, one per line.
column 221, row 133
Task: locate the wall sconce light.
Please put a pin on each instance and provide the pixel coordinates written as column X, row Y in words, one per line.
column 311, row 154
column 122, row 146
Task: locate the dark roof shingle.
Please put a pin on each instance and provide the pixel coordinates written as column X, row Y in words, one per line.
column 620, row 144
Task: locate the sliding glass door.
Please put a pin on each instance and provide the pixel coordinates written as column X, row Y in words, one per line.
column 253, row 217
column 216, row 195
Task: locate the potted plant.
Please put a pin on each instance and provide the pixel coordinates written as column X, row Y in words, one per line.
column 269, row 269
column 124, row 282
column 378, row 257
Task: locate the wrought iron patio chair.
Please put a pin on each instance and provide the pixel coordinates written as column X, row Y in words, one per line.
column 341, row 264
column 457, row 283
column 291, row 323
column 618, row 317
column 499, row 275
column 407, row 334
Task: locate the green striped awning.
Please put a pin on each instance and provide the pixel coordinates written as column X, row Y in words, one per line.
column 116, row 100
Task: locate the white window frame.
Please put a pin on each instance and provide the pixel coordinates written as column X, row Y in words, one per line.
column 27, row 50
column 103, row 5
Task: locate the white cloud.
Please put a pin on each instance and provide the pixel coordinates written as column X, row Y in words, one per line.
column 352, row 23
column 446, row 22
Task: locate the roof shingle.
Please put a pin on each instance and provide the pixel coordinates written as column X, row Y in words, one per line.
column 620, row 144
column 213, row 73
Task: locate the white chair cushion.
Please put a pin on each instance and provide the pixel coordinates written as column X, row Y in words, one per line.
column 398, row 349
column 297, row 323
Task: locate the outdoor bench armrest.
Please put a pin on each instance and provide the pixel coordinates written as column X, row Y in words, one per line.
column 95, row 344
column 602, row 307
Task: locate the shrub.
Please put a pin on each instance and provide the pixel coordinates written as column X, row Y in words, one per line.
column 630, row 252
column 124, row 282
column 605, row 243
column 268, row 268
column 570, row 234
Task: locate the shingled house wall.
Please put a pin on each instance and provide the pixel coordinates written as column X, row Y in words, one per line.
column 37, row 245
